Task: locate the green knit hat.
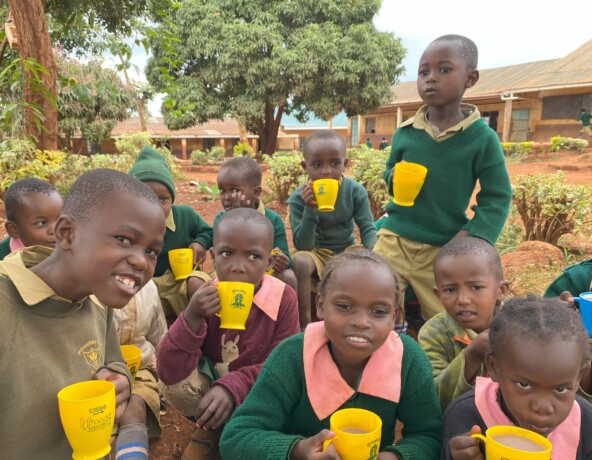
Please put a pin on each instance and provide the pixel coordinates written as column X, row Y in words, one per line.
column 150, row 166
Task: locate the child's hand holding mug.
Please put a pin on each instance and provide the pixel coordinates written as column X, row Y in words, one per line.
column 122, row 389
column 464, row 447
column 307, row 195
column 312, row 448
column 281, row 260
column 203, row 304
column 199, row 253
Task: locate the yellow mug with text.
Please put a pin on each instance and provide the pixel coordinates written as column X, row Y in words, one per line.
column 408, row 179
column 133, row 357
column 325, row 192
column 87, row 412
column 514, row 443
column 181, row 261
column 357, row 434
column 236, row 299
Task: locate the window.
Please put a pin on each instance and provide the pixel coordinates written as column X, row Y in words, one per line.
column 491, row 119
column 370, row 125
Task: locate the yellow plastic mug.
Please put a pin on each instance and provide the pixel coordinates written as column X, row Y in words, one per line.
column 357, row 434
column 87, row 411
column 235, row 303
column 181, row 261
column 273, row 252
column 407, row 182
column 325, row 191
column 132, row 356
column 514, row 443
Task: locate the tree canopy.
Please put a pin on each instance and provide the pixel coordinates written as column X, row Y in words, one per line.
column 255, row 60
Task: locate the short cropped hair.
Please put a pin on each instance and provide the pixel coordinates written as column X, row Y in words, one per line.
column 545, row 319
column 243, row 215
column 97, row 188
column 13, row 197
column 323, row 135
column 474, row 247
column 469, row 51
column 248, row 168
column 358, row 256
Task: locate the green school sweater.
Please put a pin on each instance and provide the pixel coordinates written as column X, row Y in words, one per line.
column 277, row 412
column 574, row 279
column 454, row 166
column 189, row 228
column 333, row 230
column 279, row 231
column 4, row 247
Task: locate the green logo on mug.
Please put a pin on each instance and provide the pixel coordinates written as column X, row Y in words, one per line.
column 321, row 190
column 238, row 301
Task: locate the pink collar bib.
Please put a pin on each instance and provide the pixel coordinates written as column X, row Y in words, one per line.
column 326, row 389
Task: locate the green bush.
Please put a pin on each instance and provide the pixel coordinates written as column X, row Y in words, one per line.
column 199, row 157
column 131, row 144
column 354, row 152
column 549, row 208
column 217, row 153
column 517, row 149
column 568, row 143
column 368, row 170
column 511, row 235
column 243, row 149
column 284, row 175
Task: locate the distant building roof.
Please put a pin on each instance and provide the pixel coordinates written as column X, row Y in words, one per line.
column 573, row 70
column 290, row 122
column 227, row 128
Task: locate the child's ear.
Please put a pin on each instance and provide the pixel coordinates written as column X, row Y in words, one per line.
column 491, row 365
column 212, row 257
column 502, row 291
column 303, row 164
column 12, row 230
column 270, row 261
column 319, row 302
column 472, row 78
column 436, row 290
column 257, row 191
column 65, row 231
column 345, row 162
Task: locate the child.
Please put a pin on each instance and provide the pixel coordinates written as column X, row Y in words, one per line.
column 538, row 352
column 573, row 281
column 207, row 372
column 184, row 229
column 458, row 148
column 32, row 207
column 352, row 358
column 470, row 285
column 383, row 144
column 239, row 184
column 141, row 323
column 319, row 236
column 585, row 118
column 52, row 333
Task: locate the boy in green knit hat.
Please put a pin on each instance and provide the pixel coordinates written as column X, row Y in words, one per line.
column 458, row 148
column 184, row 229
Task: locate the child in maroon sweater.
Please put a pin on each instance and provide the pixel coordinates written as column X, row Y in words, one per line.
column 206, row 372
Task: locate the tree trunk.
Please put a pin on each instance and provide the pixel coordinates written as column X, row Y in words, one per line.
column 139, row 100
column 34, row 43
column 268, row 129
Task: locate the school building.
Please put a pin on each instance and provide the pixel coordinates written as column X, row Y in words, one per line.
column 525, row 102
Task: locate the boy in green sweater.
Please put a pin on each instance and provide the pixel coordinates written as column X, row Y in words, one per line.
column 458, row 148
column 239, row 185
column 318, row 236
column 184, row 229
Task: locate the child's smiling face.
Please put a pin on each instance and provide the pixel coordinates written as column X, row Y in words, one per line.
column 358, row 308
column 113, row 254
column 538, row 380
column 469, row 289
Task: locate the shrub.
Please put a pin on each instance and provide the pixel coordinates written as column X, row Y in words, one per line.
column 568, row 143
column 217, row 153
column 243, row 149
column 549, row 208
column 199, row 157
column 517, row 149
column 354, row 152
column 368, row 170
column 131, row 144
column 511, row 235
column 284, row 175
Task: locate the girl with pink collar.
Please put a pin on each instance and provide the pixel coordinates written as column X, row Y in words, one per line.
column 538, row 354
column 351, row 359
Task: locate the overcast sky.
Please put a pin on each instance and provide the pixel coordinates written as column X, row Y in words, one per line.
column 506, row 31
